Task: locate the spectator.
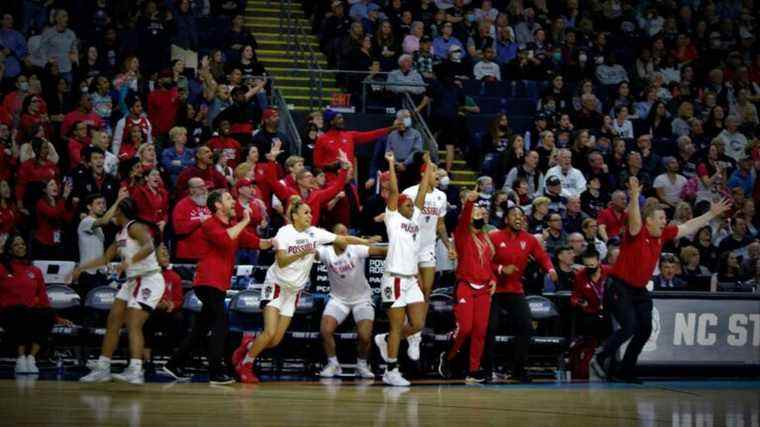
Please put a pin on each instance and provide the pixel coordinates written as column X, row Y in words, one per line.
column 405, row 142
column 405, row 74
column 553, row 236
column 269, row 135
column 242, row 113
column 204, row 169
column 691, row 265
column 163, row 104
column 506, row 48
column 187, row 217
column 14, row 48
column 25, row 312
column 412, row 40
column 612, row 219
column 423, row 58
column 53, row 216
column 621, row 126
column 565, row 271
column 734, row 141
column 225, row 146
column 386, row 46
column 526, row 28
column 588, row 117
column 738, row 239
column 77, row 141
column 486, row 69
column 236, row 38
column 574, row 216
column 667, row 279
column 588, row 295
column 744, row 177
column 91, row 177
column 176, row 158
column 478, row 41
column 91, row 239
column 185, row 41
column 333, row 29
column 136, row 119
column 670, row 184
column 590, row 233
column 83, row 114
column 572, row 179
column 527, row 170
column 152, row 200
column 58, row 44
column 443, row 43
column 35, row 173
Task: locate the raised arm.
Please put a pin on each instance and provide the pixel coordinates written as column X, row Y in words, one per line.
column 106, row 218
column 234, row 231
column 693, row 225
column 393, row 182
column 425, row 183
column 634, row 216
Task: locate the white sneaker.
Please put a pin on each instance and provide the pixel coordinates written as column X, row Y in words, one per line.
column 99, row 374
column 31, row 365
column 331, row 370
column 413, row 351
column 21, row 365
column 131, row 376
column 394, row 378
column 382, row 345
column 363, row 371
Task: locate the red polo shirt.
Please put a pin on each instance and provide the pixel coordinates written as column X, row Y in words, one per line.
column 613, row 221
column 217, row 253
column 639, row 255
column 516, row 249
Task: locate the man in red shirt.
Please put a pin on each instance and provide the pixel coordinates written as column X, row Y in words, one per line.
column 221, row 239
column 514, row 247
column 326, row 154
column 188, row 215
column 612, row 219
column 163, row 105
column 204, row 169
column 83, row 114
column 475, row 283
column 627, row 297
column 225, row 145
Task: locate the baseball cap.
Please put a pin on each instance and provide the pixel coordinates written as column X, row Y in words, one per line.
column 553, row 180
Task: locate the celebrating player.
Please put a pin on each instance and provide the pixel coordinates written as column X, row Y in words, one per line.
column 431, row 223
column 627, row 297
column 400, row 289
column 221, row 240
column 296, row 245
column 475, row 284
column 136, row 298
column 349, row 293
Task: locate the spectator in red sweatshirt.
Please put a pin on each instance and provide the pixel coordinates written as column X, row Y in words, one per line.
column 249, row 198
column 225, row 145
column 514, row 247
column 167, row 317
column 128, row 147
column 53, row 216
column 163, row 105
column 10, row 216
column 204, row 169
column 82, row 114
column 35, row 173
column 34, row 113
column 78, row 140
column 187, row 217
column 25, row 311
column 152, row 200
column 475, row 285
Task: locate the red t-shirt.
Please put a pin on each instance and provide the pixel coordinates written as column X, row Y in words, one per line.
column 163, row 106
column 228, row 147
column 327, row 145
column 31, row 171
column 10, row 218
column 639, row 255
column 92, row 119
column 217, row 254
column 613, row 221
column 186, row 219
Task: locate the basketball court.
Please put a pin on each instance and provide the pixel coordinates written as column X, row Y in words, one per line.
column 31, row 401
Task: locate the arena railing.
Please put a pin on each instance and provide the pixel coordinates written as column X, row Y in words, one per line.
column 287, row 124
column 301, row 53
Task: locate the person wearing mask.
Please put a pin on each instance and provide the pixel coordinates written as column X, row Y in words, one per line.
column 405, row 142
column 188, row 216
column 588, row 296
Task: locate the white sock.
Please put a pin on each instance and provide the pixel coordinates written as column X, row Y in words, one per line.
column 249, row 346
column 248, row 359
column 333, row 360
column 136, row 364
column 361, row 362
column 104, row 361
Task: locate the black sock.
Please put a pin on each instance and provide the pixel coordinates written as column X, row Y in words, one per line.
column 391, row 366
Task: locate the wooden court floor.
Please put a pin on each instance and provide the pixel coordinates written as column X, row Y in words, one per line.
column 26, row 402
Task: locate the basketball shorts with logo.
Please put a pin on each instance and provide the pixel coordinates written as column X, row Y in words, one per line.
column 282, row 298
column 400, row 291
column 143, row 292
column 339, row 310
column 426, row 256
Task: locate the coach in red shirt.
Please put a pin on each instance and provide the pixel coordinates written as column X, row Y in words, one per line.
column 221, row 239
column 626, row 296
column 514, row 247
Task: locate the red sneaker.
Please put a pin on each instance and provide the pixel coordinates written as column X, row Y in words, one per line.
column 239, row 354
column 245, row 372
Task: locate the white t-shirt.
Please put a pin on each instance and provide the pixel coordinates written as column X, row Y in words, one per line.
column 403, row 242
column 91, row 240
column 434, row 208
column 292, row 241
column 348, row 284
column 672, row 190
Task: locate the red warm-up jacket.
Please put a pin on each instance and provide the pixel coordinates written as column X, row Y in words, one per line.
column 516, row 248
column 327, row 145
column 23, row 285
column 186, row 219
column 475, row 251
column 316, row 198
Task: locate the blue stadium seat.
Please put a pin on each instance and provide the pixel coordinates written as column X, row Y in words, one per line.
column 520, row 124
column 491, row 105
column 97, row 304
column 191, row 303
column 521, row 107
column 442, row 310
column 245, row 312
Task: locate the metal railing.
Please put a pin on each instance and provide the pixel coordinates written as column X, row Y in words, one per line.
column 287, row 124
column 422, row 127
column 302, row 54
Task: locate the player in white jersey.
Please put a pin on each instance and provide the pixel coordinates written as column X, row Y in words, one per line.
column 432, row 226
column 400, row 289
column 137, row 297
column 349, row 294
column 296, row 247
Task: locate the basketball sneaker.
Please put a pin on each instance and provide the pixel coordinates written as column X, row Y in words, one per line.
column 476, row 377
column 175, row 372
column 382, row 345
column 444, row 369
column 394, row 378
column 101, row 373
column 131, row 375
column 220, row 378
column 239, row 354
column 31, row 365
column 21, row 365
column 363, row 371
column 597, row 367
column 413, row 351
column 246, row 374
column 331, row 370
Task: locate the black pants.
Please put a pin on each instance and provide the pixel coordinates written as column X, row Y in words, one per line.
column 88, row 281
column 25, row 325
column 522, row 329
column 168, row 323
column 211, row 318
column 632, row 309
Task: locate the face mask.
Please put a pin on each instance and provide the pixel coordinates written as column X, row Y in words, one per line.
column 84, row 89
column 478, row 223
column 557, row 56
column 456, row 56
column 408, row 122
column 591, row 271
column 444, row 182
column 582, row 57
column 488, row 189
column 23, row 86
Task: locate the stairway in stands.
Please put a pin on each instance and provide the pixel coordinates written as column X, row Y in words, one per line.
column 262, row 17
column 461, row 175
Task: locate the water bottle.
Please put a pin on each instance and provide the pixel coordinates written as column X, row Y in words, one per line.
column 59, row 368
column 528, row 142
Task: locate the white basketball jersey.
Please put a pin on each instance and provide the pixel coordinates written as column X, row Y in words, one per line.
column 346, row 273
column 403, row 242
column 296, row 274
column 128, row 247
column 434, row 208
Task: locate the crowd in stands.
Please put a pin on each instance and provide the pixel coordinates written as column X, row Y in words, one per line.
column 557, row 104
